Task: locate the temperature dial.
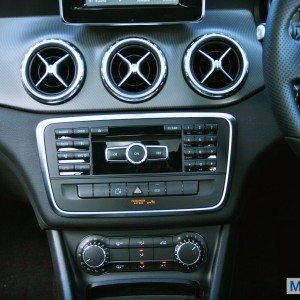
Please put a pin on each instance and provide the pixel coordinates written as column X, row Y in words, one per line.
column 92, row 254
column 190, row 251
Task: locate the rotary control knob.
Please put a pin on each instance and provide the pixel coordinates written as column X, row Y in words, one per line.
column 92, row 254
column 136, row 153
column 190, row 251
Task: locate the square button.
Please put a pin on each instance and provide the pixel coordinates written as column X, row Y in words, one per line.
column 174, row 188
column 118, row 190
column 101, row 190
column 141, row 254
column 157, row 188
column 85, row 190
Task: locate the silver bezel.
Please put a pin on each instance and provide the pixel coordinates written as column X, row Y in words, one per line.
column 130, row 24
column 71, row 90
column 40, row 135
column 144, row 157
column 136, row 97
column 187, row 67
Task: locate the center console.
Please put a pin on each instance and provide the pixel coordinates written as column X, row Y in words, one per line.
column 135, row 165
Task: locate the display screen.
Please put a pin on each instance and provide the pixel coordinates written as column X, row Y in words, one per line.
column 106, row 3
column 137, row 135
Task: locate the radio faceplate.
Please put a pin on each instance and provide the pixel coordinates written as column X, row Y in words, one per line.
column 159, row 164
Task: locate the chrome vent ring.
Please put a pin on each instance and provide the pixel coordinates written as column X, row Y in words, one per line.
column 134, row 69
column 215, row 65
column 53, row 71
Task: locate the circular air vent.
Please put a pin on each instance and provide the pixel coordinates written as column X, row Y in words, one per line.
column 215, row 65
column 134, row 69
column 53, row 71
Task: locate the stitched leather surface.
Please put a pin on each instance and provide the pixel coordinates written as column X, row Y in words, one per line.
column 282, row 65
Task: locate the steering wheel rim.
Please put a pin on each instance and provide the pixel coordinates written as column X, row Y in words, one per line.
column 282, row 68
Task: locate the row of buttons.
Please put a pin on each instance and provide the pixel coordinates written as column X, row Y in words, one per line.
column 142, row 254
column 200, row 165
column 142, row 266
column 136, row 242
column 138, row 189
column 69, row 168
column 191, row 128
column 78, row 144
column 200, row 139
column 200, row 151
column 81, row 132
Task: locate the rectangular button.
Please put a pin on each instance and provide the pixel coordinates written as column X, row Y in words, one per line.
column 81, row 131
column 200, row 139
column 211, row 150
column 102, row 130
column 84, row 168
column 119, row 242
column 157, row 152
column 165, row 266
column 199, row 128
column 211, row 163
column 118, row 267
column 82, row 144
column 211, row 138
column 189, row 165
column 141, row 242
column 200, row 165
column 85, row 190
column 141, row 254
column 141, row 266
column 189, row 151
column 64, row 144
column 115, row 154
column 166, row 241
column 174, row 188
column 157, row 188
column 65, row 155
column 82, row 155
column 119, row 255
column 211, row 128
column 66, row 168
column 189, row 139
column 68, row 132
column 190, row 187
column 101, row 190
column 188, row 129
column 137, row 189
column 200, row 151
column 172, row 128
column 118, row 190
column 164, row 254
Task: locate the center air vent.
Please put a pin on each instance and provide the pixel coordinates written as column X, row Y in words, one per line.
column 134, row 69
column 215, row 65
column 53, row 71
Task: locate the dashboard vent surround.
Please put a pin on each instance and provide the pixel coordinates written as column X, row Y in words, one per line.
column 134, row 70
column 53, row 71
column 215, row 65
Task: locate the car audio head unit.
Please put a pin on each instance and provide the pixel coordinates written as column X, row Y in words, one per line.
column 136, row 164
column 131, row 11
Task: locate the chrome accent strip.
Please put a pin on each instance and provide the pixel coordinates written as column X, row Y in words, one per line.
column 116, row 89
column 130, row 24
column 43, row 158
column 75, row 85
column 199, row 87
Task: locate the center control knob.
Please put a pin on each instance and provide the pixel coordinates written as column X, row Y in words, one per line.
column 136, row 153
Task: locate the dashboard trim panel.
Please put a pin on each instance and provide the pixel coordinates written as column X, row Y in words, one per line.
column 40, row 130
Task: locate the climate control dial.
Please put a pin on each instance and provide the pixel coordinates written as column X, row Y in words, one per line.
column 190, row 251
column 92, row 254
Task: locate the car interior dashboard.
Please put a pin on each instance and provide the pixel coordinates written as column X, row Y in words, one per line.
column 132, row 128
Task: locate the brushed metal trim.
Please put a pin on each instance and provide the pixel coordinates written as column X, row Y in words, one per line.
column 45, row 171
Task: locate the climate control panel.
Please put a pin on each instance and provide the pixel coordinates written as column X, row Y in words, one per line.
column 98, row 255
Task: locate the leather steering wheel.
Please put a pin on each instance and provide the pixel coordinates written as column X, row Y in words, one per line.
column 282, row 69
